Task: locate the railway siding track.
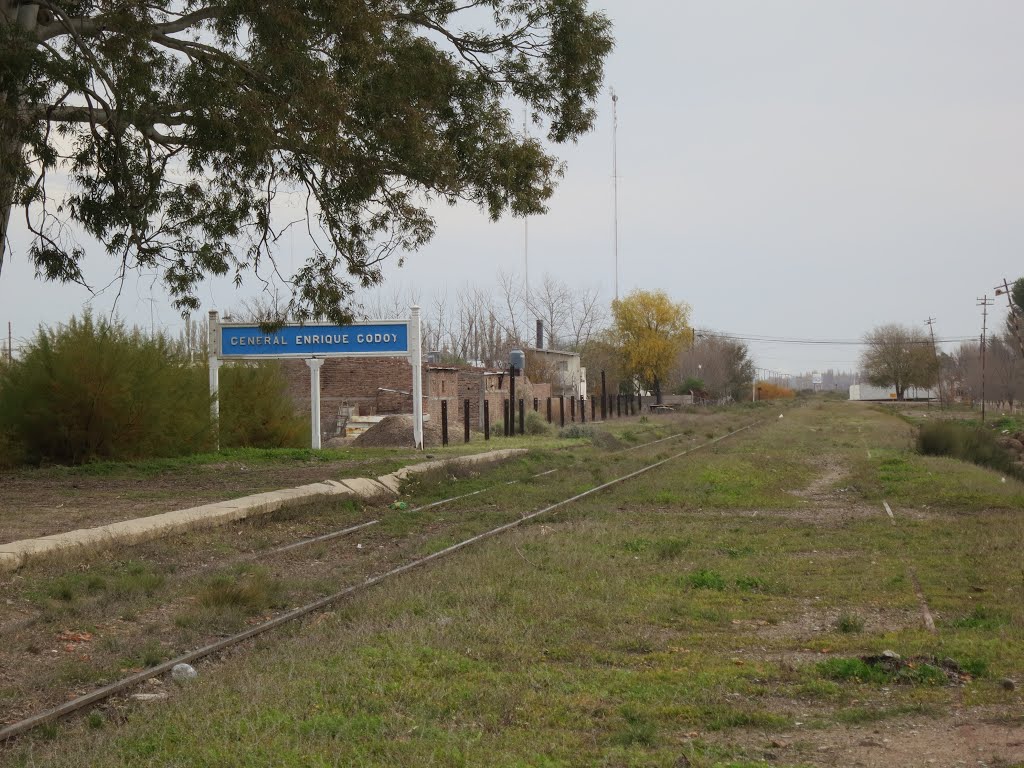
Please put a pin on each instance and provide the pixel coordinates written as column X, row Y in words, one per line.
column 128, row 682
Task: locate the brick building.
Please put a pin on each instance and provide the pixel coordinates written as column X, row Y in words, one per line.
column 378, row 386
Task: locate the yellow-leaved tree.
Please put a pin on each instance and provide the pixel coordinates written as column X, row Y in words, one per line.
column 651, row 330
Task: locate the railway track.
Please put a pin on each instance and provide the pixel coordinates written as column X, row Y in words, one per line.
column 128, row 682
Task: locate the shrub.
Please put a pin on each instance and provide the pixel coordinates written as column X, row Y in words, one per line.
column 769, row 391
column 536, row 424
column 575, row 432
column 92, row 389
column 255, row 410
column 965, row 442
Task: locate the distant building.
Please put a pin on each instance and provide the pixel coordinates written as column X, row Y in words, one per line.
column 351, row 387
column 869, row 392
column 568, row 378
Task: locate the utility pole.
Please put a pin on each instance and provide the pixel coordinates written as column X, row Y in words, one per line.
column 10, row 347
column 985, row 302
column 938, row 368
column 615, row 183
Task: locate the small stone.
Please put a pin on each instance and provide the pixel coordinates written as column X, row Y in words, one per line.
column 182, row 672
column 891, row 655
column 1007, row 684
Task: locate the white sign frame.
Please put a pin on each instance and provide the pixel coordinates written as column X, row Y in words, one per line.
column 315, row 361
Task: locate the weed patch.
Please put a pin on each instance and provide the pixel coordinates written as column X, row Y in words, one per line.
column 704, row 579
column 850, row 623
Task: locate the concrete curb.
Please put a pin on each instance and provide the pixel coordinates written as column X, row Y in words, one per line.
column 15, row 554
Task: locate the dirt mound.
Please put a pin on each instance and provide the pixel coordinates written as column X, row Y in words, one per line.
column 396, row 432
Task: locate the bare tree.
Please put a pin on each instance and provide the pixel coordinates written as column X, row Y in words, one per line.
column 898, row 356
column 1004, row 369
column 722, row 365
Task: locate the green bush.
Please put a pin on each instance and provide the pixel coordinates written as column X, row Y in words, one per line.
column 536, row 424
column 255, row 410
column 92, row 389
column 575, row 432
column 965, row 442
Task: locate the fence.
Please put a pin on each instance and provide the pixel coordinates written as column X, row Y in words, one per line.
column 554, row 409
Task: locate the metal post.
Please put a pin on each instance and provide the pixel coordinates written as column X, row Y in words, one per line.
column 512, row 395
column 549, row 410
column 572, row 409
column 618, row 406
column 314, row 363
column 561, row 410
column 465, row 419
column 593, row 408
column 487, row 419
column 583, row 410
column 444, row 422
column 604, row 398
column 416, row 358
column 522, row 417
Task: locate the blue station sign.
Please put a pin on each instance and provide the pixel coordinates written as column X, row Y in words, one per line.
column 380, row 338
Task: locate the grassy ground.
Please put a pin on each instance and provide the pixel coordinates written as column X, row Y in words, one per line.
column 714, row 612
column 49, row 500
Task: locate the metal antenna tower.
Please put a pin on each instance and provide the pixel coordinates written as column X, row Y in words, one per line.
column 526, row 219
column 615, row 182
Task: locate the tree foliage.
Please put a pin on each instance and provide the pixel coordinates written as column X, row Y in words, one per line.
column 1017, row 293
column 650, row 329
column 900, row 357
column 180, row 121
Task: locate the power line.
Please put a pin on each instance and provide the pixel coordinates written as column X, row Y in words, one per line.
column 761, row 339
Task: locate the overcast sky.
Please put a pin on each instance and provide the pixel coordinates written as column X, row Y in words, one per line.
column 797, row 168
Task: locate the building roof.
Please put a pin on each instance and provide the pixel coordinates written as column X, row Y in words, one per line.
column 552, row 352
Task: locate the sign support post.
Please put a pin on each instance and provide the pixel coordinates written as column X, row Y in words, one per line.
column 416, row 360
column 215, row 363
column 314, row 363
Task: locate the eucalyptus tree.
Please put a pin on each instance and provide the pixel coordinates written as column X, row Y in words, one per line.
column 178, row 122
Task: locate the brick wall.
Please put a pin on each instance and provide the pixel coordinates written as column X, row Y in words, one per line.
column 383, row 385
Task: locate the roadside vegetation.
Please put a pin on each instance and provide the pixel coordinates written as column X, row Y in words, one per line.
column 94, row 390
column 968, row 443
